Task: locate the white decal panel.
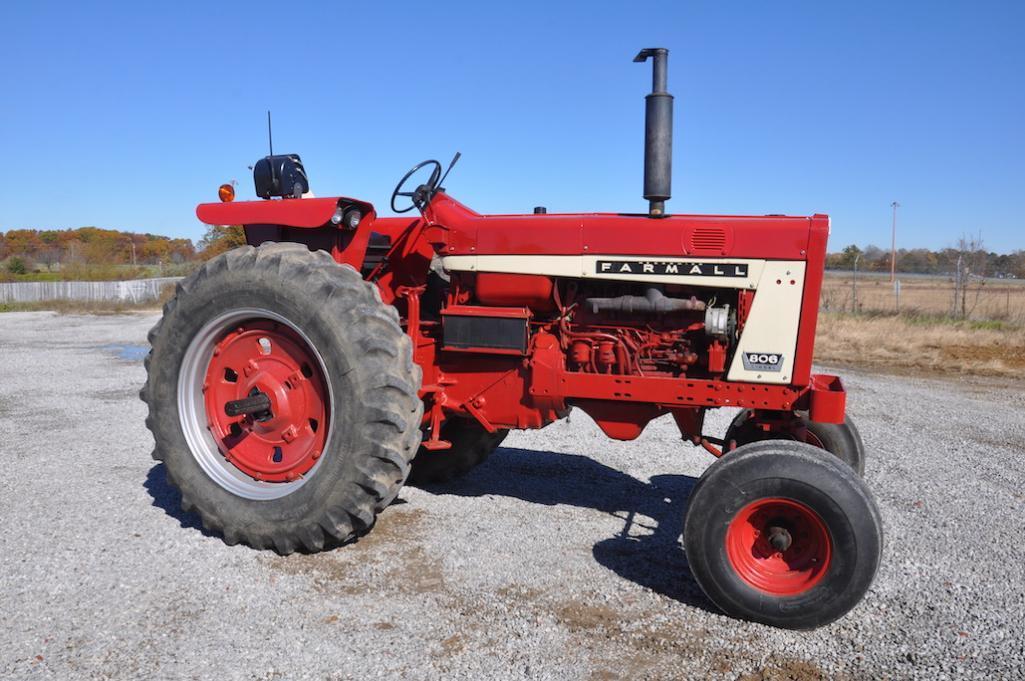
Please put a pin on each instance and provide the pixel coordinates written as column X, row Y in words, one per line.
column 714, row 272
column 765, row 352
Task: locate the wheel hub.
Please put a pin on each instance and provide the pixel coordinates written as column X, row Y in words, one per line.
column 257, row 404
column 779, row 538
column 266, row 401
column 778, row 546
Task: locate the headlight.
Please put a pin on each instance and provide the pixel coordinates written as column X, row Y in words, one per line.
column 348, row 219
column 352, row 218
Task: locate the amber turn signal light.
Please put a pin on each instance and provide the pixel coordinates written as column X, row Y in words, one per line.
column 226, row 193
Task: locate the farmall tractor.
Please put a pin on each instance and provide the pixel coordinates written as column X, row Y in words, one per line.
column 295, row 383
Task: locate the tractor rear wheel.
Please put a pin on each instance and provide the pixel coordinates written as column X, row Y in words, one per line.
column 282, row 398
column 471, row 445
column 839, row 439
column 780, row 533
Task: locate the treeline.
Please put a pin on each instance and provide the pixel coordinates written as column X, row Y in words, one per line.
column 56, row 248
column 971, row 254
column 60, row 250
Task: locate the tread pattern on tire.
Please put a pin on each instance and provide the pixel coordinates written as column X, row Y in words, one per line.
column 391, row 379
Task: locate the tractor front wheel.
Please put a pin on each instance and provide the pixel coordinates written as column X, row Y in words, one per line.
column 842, row 440
column 282, row 398
column 781, row 533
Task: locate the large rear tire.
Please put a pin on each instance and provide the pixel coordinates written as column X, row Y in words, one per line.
column 333, row 449
column 471, row 445
column 780, row 532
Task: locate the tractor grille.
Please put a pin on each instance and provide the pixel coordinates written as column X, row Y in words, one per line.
column 378, row 247
column 710, row 240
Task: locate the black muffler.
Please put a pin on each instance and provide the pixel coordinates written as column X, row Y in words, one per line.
column 658, row 134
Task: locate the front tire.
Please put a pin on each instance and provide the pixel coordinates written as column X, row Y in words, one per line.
column 780, row 533
column 333, row 449
column 842, row 440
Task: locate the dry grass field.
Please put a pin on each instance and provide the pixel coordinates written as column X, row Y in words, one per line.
column 984, row 300
column 923, row 336
column 922, row 345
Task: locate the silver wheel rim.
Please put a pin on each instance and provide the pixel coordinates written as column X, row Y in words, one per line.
column 192, row 408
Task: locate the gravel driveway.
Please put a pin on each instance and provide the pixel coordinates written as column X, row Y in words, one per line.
column 560, row 558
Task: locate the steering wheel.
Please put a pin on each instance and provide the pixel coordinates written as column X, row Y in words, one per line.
column 423, row 193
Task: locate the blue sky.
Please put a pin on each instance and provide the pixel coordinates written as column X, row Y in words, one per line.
column 127, row 115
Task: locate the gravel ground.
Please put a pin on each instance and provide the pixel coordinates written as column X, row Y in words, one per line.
column 560, row 558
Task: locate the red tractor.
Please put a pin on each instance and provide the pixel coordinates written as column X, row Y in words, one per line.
column 295, row 383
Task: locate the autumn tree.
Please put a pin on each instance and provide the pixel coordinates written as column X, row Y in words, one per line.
column 221, row 238
column 23, row 242
column 94, row 246
column 845, row 259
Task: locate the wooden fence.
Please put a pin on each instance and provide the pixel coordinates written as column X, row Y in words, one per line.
column 135, row 291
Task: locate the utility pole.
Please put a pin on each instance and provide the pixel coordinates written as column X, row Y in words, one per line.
column 893, row 244
column 854, row 283
column 957, row 286
column 964, row 289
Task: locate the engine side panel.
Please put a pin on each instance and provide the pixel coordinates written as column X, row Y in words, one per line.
column 765, row 350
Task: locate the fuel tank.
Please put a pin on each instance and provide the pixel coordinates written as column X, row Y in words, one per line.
column 515, row 290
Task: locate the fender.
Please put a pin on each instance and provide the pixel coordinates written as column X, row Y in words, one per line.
column 285, row 212
column 275, row 220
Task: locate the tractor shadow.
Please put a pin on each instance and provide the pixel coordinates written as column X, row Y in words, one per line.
column 169, row 500
column 647, row 551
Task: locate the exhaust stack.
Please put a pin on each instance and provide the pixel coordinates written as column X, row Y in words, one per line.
column 658, row 133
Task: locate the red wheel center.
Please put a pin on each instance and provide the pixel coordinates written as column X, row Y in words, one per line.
column 284, row 442
column 778, row 546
